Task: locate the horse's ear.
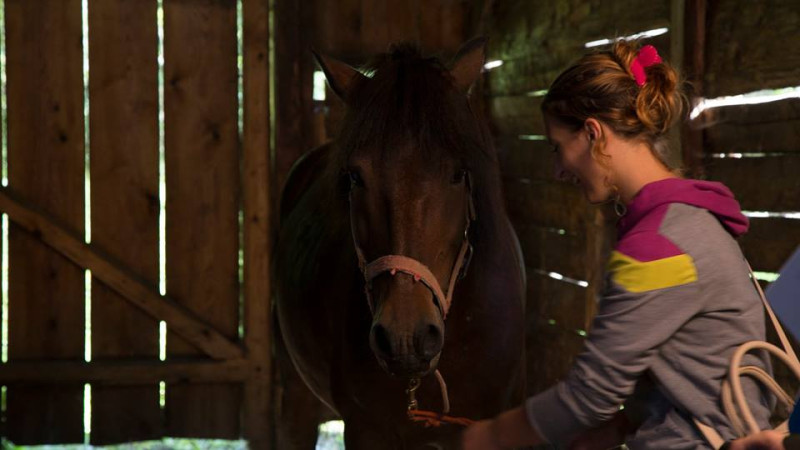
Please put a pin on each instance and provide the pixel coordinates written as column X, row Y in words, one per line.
column 341, row 77
column 468, row 63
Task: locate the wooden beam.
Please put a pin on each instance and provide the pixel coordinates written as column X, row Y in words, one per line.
column 257, row 183
column 694, row 69
column 127, row 372
column 179, row 319
column 676, row 39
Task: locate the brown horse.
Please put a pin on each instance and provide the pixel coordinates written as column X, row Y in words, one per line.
column 374, row 281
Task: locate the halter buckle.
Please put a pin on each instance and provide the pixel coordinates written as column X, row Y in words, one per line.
column 462, row 272
column 413, row 385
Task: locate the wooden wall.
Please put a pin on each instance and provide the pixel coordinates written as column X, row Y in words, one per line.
column 767, row 178
column 217, row 381
column 744, row 50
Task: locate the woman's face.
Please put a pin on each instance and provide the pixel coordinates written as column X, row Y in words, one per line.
column 575, row 162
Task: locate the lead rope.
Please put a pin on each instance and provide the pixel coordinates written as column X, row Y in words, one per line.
column 430, row 418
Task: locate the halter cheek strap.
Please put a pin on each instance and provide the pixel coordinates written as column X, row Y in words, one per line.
column 416, row 269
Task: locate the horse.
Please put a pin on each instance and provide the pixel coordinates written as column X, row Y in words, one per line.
column 373, row 226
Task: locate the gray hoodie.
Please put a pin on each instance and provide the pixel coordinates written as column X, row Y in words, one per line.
column 677, row 302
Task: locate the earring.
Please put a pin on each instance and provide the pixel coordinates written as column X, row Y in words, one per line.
column 619, row 208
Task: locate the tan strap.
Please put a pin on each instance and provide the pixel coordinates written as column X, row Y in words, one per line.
column 735, row 372
column 733, row 400
column 712, row 437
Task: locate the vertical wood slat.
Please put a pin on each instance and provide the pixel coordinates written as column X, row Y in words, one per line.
column 374, row 28
column 293, row 84
column 257, row 220
column 694, row 49
column 46, row 166
column 202, row 163
column 124, row 174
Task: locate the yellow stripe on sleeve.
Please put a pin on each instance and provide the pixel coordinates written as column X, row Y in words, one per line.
column 638, row 276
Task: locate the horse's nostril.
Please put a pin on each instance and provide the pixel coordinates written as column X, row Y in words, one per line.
column 382, row 343
column 429, row 342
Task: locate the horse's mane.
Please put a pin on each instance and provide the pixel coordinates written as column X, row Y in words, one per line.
column 410, row 99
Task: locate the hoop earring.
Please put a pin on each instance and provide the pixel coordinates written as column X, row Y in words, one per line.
column 619, row 208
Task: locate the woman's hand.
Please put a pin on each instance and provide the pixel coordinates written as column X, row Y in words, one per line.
column 764, row 440
column 479, row 437
column 608, row 435
column 508, row 430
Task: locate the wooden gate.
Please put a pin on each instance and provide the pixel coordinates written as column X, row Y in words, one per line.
column 216, row 367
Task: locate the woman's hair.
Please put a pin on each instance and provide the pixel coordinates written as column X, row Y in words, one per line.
column 601, row 85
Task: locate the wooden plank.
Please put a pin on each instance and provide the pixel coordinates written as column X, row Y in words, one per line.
column 553, row 250
column 181, row 320
column 402, row 24
column 430, row 29
column 546, row 204
column 550, row 350
column 46, row 164
column 601, row 236
column 454, row 26
column 202, row 173
column 374, row 30
column 538, row 40
column 552, row 23
column 124, row 373
column 533, row 72
column 293, row 86
column 694, row 44
column 124, row 172
column 444, row 25
column 517, row 115
column 338, row 27
column 769, row 127
column 217, row 405
column 526, row 160
column 770, row 242
column 560, row 301
column 257, row 184
column 740, row 60
column 746, row 178
column 777, row 137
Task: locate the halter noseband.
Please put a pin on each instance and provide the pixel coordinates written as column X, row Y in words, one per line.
column 416, row 269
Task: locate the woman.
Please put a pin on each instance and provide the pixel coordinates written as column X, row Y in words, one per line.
column 677, row 299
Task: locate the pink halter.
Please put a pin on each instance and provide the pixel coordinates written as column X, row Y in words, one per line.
column 416, row 269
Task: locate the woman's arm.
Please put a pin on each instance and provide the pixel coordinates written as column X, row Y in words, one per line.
column 510, row 429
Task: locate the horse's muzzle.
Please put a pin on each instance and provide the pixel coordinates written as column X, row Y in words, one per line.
column 406, row 354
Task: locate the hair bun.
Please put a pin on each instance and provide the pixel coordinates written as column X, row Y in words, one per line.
column 658, row 102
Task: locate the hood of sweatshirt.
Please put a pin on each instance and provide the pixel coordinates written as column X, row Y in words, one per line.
column 709, row 195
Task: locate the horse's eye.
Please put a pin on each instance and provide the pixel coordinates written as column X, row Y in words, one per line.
column 459, row 176
column 355, row 179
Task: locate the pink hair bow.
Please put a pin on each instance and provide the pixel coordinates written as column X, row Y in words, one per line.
column 648, row 55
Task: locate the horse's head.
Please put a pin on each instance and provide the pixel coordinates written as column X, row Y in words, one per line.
column 408, row 144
